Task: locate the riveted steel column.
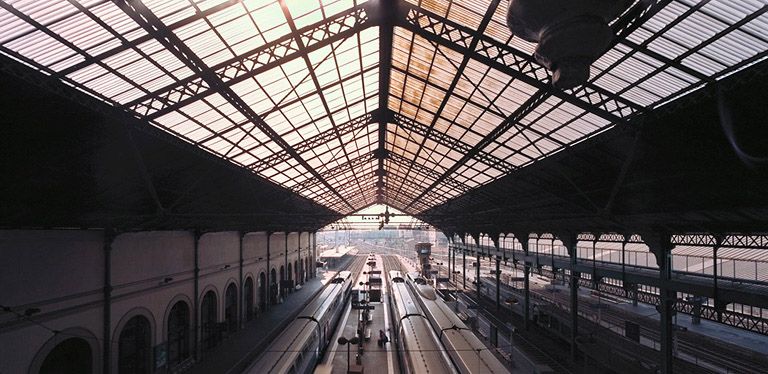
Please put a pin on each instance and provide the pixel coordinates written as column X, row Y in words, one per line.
column 498, row 283
column 300, row 270
column 109, row 237
column 464, row 265
column 719, row 308
column 523, row 239
column 661, row 247
column 241, row 310
column 196, row 297
column 269, row 274
column 286, row 274
column 449, row 259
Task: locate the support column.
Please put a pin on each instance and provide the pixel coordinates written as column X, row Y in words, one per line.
column 661, row 247
column 526, row 293
column 574, row 293
column 498, row 283
column 312, row 255
column 476, row 237
column 300, row 270
column 196, row 286
column 635, row 290
column 495, row 240
column 523, row 239
column 454, row 264
column 269, row 274
column 569, row 241
column 715, row 292
column 285, row 276
column 624, row 258
column 477, row 273
column 449, row 260
column 241, row 311
column 464, row 265
column 109, row 237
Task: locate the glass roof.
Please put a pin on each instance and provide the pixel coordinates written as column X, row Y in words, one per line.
column 292, row 90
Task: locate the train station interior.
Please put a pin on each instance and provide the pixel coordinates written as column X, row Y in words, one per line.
column 383, row 186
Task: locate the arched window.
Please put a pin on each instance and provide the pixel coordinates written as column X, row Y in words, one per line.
column 248, row 292
column 135, row 347
column 262, row 291
column 296, row 271
column 208, row 325
column 230, row 308
column 178, row 334
column 72, row 356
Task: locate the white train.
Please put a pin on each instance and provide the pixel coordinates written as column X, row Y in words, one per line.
column 468, row 353
column 420, row 352
column 304, row 340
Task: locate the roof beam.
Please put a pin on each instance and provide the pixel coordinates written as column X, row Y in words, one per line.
column 459, row 71
column 89, row 60
column 450, row 142
column 426, row 172
column 253, row 63
column 305, row 56
column 310, row 183
column 508, row 123
column 350, row 127
column 387, row 12
column 153, row 25
column 514, row 63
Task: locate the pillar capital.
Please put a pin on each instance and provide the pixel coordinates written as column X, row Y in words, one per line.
column 495, row 238
column 475, row 235
column 660, row 244
column 522, row 237
column 569, row 240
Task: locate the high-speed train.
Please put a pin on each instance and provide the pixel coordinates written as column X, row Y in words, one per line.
column 304, row 340
column 420, row 352
column 467, row 352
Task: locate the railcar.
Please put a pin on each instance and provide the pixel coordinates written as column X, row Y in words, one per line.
column 419, row 350
column 303, row 342
column 467, row 352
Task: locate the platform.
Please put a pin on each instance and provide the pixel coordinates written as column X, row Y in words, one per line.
column 374, row 359
column 242, row 347
column 708, row 345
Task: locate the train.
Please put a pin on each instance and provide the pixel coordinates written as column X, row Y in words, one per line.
column 304, row 341
column 417, row 345
column 466, row 351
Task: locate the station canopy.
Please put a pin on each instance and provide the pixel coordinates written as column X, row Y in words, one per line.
column 354, row 103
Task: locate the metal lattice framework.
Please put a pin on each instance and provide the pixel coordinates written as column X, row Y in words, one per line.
column 352, row 103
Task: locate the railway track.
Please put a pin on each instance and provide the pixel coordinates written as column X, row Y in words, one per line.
column 703, row 355
column 529, row 343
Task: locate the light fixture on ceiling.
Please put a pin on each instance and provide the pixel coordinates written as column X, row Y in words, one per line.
column 572, row 34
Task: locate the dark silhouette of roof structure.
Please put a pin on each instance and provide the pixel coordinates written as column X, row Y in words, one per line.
column 293, row 114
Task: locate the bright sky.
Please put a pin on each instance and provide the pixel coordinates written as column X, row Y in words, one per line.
column 373, row 219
